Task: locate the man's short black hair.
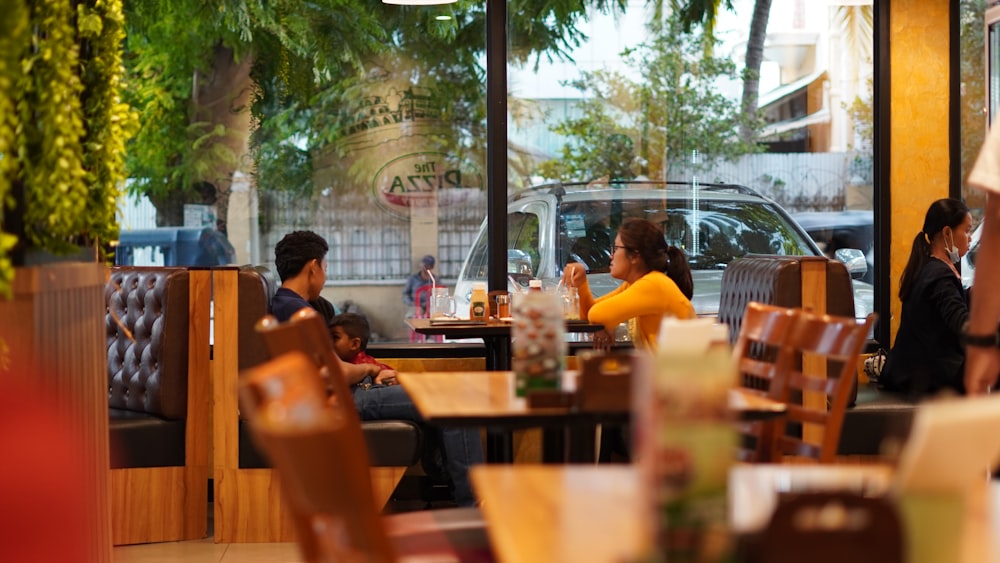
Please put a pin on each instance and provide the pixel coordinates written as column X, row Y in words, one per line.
column 295, row 250
column 354, row 326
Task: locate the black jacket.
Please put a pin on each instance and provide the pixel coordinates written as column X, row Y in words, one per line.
column 927, row 355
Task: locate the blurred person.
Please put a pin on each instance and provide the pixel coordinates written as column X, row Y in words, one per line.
column 45, row 492
column 927, row 355
column 300, row 258
column 656, row 282
column 416, row 281
column 982, row 363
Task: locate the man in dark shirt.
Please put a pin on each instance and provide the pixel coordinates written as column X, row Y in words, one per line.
column 300, row 258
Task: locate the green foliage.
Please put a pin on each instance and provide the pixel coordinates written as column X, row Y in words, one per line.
column 972, row 75
column 107, row 120
column 674, row 111
column 62, row 126
column 309, row 59
column 13, row 30
column 51, row 130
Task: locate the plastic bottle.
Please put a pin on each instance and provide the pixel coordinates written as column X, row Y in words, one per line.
column 479, row 308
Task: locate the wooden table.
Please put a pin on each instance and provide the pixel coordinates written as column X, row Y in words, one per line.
column 561, row 513
column 486, row 398
column 495, row 335
column 594, row 513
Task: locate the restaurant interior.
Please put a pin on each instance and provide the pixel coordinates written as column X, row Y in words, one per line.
column 254, row 464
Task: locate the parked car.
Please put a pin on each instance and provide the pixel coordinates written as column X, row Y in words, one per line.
column 552, row 224
column 969, row 260
column 836, row 230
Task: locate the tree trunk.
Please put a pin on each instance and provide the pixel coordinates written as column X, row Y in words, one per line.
column 224, row 98
column 754, row 57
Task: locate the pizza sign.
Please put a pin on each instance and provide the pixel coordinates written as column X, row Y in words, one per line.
column 423, row 180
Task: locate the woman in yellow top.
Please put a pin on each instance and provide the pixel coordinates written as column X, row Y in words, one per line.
column 656, row 282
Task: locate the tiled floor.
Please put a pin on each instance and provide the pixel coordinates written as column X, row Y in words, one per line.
column 206, row 551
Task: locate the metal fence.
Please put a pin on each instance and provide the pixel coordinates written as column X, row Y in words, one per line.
column 366, row 242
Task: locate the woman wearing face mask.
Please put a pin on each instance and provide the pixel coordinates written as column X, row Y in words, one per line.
column 928, row 356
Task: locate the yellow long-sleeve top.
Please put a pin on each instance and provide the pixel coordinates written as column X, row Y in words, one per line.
column 642, row 304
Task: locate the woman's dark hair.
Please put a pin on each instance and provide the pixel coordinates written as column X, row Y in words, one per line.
column 942, row 213
column 644, row 238
column 295, row 250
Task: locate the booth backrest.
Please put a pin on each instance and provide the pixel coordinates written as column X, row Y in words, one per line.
column 256, row 286
column 777, row 280
column 147, row 340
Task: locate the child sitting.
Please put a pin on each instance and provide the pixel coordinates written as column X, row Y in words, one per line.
column 350, row 333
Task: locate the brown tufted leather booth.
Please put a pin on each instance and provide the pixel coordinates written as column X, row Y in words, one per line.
column 785, row 281
column 158, row 427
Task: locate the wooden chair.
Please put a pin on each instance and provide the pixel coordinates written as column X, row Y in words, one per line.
column 319, row 452
column 815, row 377
column 758, row 347
column 393, row 445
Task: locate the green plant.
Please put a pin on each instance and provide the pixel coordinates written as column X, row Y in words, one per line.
column 62, row 127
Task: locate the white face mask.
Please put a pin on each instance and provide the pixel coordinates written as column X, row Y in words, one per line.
column 952, row 251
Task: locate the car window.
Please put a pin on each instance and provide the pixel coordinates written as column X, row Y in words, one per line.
column 725, row 230
column 523, row 237
column 523, row 252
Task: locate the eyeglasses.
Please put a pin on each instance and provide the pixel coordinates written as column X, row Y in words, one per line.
column 615, row 247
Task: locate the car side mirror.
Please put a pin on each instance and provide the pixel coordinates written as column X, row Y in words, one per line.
column 971, row 255
column 855, row 261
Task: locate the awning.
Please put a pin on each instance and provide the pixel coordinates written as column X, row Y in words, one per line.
column 821, row 116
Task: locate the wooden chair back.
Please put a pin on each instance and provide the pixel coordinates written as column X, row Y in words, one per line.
column 306, row 332
column 321, row 458
column 818, row 366
column 758, row 348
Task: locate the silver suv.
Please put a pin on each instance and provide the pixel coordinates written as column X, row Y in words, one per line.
column 552, row 224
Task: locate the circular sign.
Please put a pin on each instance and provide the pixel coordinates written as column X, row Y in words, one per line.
column 425, row 179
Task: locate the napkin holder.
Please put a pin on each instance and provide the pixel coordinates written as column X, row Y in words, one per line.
column 605, row 382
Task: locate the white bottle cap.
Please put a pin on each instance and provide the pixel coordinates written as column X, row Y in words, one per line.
column 535, row 283
column 479, row 286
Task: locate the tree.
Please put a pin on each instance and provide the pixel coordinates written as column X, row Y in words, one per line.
column 973, row 97
column 674, row 111
column 704, row 13
column 200, row 71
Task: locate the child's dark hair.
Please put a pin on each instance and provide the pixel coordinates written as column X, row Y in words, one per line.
column 645, row 238
column 295, row 250
column 354, row 326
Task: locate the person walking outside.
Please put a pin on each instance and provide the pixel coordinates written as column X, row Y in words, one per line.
column 419, row 279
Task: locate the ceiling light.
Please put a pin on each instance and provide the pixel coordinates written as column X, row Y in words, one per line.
column 418, row 2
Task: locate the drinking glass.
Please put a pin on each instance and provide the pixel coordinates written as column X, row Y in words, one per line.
column 442, row 304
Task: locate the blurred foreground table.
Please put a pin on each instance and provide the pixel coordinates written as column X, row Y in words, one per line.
column 561, row 513
column 594, row 513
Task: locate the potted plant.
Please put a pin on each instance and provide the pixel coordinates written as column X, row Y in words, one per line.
column 62, row 136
